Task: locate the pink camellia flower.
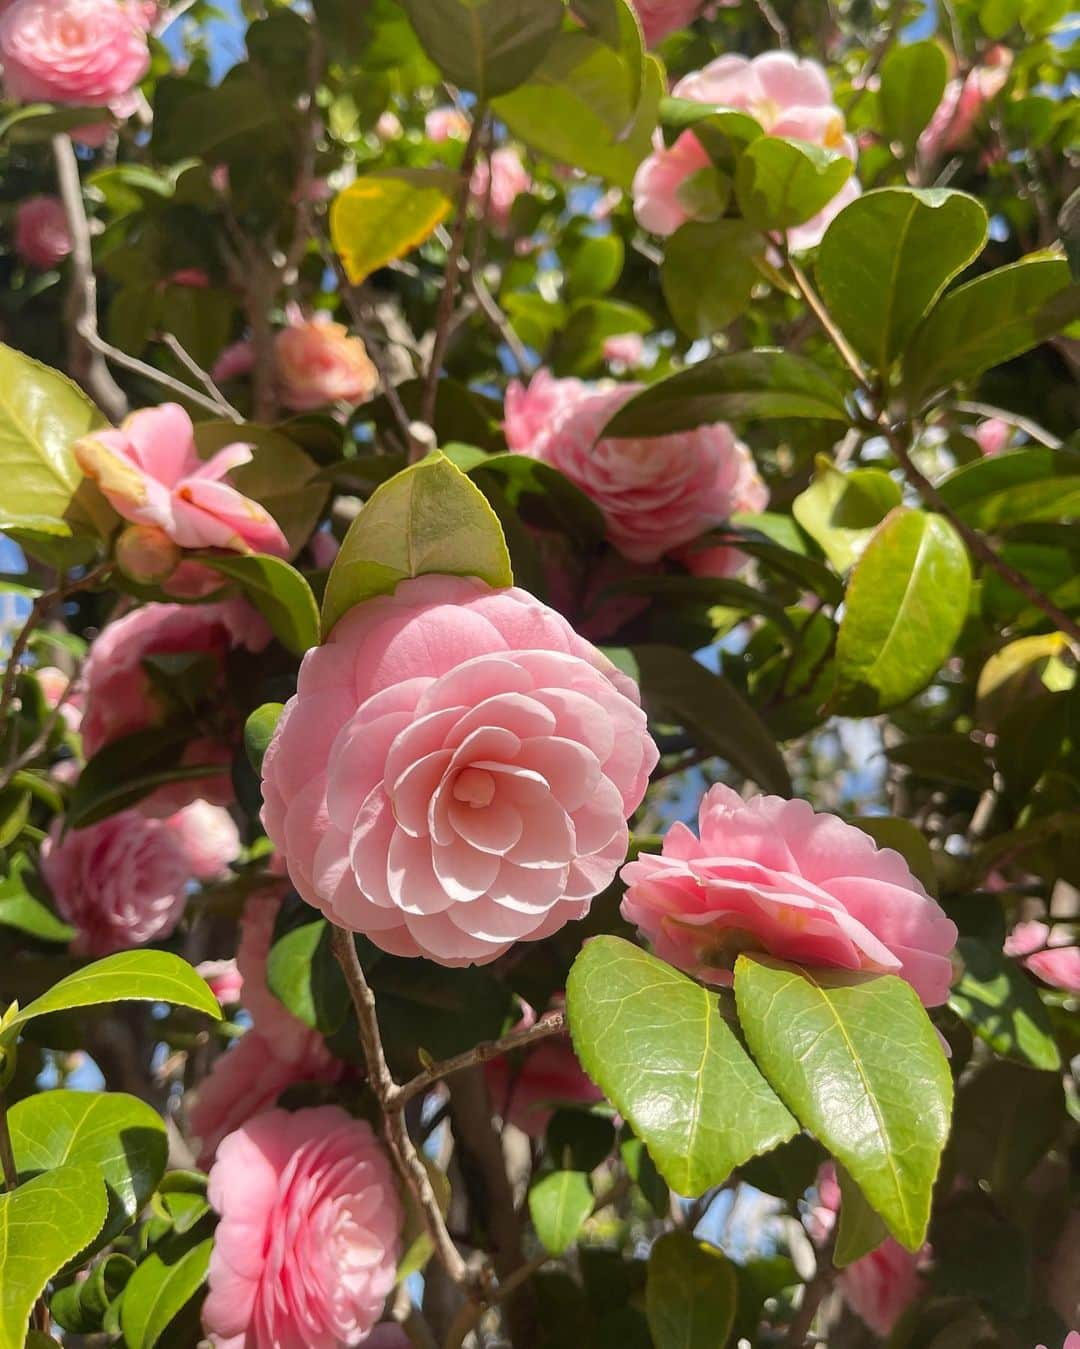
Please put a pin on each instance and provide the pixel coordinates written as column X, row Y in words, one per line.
column 952, row 126
column 509, row 178
column 661, row 17
column 54, row 685
column 1050, row 953
column 527, row 1093
column 625, row 348
column 119, row 883
column 151, row 474
column 786, row 95
column 306, row 1250
column 444, row 124
column 1072, row 1341
column 42, row 237
column 236, row 360
column 455, row 771
column 319, row 363
column 656, row 494
column 209, row 836
column 993, row 435
column 773, row 875
column 223, row 979
column 83, row 52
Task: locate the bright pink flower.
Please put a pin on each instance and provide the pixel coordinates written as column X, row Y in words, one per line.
column 625, row 348
column 42, row 237
column 956, row 116
column 526, row 1093
column 224, row 980
column 319, row 363
column 509, row 179
column 306, row 1250
column 209, row 837
column 1050, row 953
column 120, row 882
column 993, row 435
column 84, row 52
column 151, row 474
column 455, row 771
column 786, row 95
column 443, row 124
column 661, row 17
column 236, row 360
column 656, row 494
column 772, row 875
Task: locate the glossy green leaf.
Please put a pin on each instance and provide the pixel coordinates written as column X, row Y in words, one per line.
column 259, row 731
column 43, row 1224
column 1002, row 1006
column 81, row 1306
column 42, row 414
column 382, row 216
column 24, row 912
column 750, row 384
column 887, row 257
column 559, row 1204
column 280, row 594
column 780, row 182
column 720, row 591
column 119, row 1137
column 429, row 518
column 1035, row 483
column 141, row 976
column 159, row 1290
column 676, row 687
column 989, row 320
column 656, row 1044
column 128, row 769
column 302, row 972
column 905, row 605
column 913, row 76
column 526, row 483
column 703, row 300
column 719, row 129
column 859, row 1229
column 858, row 1061
column 841, row 510
column 690, row 1294
column 486, row 46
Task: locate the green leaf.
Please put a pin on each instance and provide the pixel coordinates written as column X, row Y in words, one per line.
column 840, row 510
column 913, row 77
column 677, row 687
column 141, row 976
column 128, row 769
column 119, row 1137
column 654, row 1041
column 780, row 182
column 23, row 911
column 703, row 300
column 1031, row 484
column 690, row 1294
column 1002, row 1006
column 593, row 265
column 162, row 1286
column 486, row 46
column 987, row 321
column 750, row 384
column 43, row 1224
column 860, row 1229
column 429, row 518
column 616, row 24
column 858, row 1061
column 887, row 257
column 905, row 605
column 525, row 481
column 42, row 414
column 80, row 1307
column 559, row 1205
column 259, row 731
column 719, row 129
column 1007, row 1120
column 382, row 216
column 579, row 348
column 302, row 972
column 280, row 594
column 944, row 758
column 719, row 591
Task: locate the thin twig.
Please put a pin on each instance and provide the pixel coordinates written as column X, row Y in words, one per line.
column 551, row 1024
column 1025, row 424
column 194, row 368
column 309, row 144
column 839, row 341
column 495, row 316
column 86, row 357
column 813, row 1295
column 150, row 372
column 775, row 22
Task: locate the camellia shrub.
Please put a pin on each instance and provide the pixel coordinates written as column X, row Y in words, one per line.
column 540, row 733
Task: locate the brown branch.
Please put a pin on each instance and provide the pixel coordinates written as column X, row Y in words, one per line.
column 489, row 307
column 775, row 22
column 836, row 337
column 813, row 1295
column 94, row 339
column 550, row 1024
column 194, row 368
column 87, row 363
column 309, row 144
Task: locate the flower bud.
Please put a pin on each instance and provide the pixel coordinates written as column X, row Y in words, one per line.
column 146, row 554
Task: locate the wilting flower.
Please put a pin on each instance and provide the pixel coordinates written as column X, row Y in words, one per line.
column 85, row 52
column 306, row 1249
column 42, row 237
column 1051, row 953
column 508, row 177
column 775, row 876
column 151, row 474
column 455, row 771
column 657, row 494
column 319, row 363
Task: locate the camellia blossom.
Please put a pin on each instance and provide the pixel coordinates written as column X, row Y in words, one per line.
column 120, row 883
column 955, row 118
column 773, row 875
column 444, row 124
column 1050, row 953
column 209, row 836
column 993, row 435
column 786, row 95
column 319, row 363
column 656, row 494
column 306, row 1249
column 54, row 686
column 509, row 178
column 42, row 237
column 661, row 17
column 455, row 771
column 625, row 349
column 151, row 474
column 224, row 980
column 83, row 52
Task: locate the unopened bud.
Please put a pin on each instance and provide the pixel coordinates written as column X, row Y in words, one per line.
column 146, row 554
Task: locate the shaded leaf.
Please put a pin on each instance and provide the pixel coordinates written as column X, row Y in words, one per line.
column 1002, row 1006
column 486, row 46
column 559, row 1204
column 840, row 510
column 782, row 182
column 690, row 1294
column 163, row 1285
column 703, row 300
column 279, row 593
column 913, row 77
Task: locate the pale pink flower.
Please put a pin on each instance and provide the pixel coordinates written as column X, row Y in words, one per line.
column 324, row 549
column 151, row 474
column 656, row 494
column 1050, row 953
column 954, row 121
column 443, row 124
column 209, row 837
column 119, row 883
column 319, row 363
column 786, row 95
column 236, row 360
column 42, row 237
column 1072, row 1341
column 661, row 17
column 388, row 127
column 526, row 1092
column 83, row 52
column 773, row 875
column 509, row 179
column 54, row 686
column 624, row 348
column 306, row 1250
column 455, row 771
column 993, row 435
column 223, row 979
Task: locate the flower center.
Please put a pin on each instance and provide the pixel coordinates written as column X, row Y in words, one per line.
column 474, row 786
column 71, row 31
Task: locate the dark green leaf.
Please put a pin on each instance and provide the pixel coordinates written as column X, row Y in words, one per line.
column 703, row 300
column 81, row 1306
column 1007, row 1119
column 579, row 348
column 159, row 1290
column 486, row 46
column 913, row 79
column 124, row 771
column 690, row 1294
column 890, row 831
column 526, row 482
column 1002, row 1006
column 1034, row 483
column 559, row 1204
column 951, row 758
column 279, row 593
column 780, row 182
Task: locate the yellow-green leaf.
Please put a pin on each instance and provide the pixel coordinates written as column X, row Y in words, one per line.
column 382, row 216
